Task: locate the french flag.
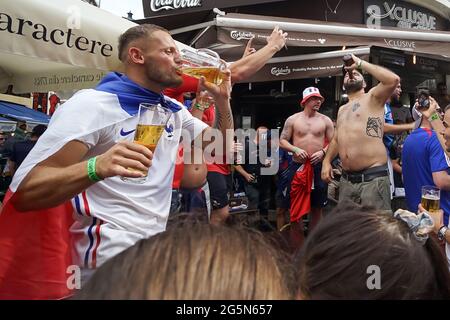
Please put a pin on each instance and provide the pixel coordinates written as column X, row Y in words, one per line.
column 35, row 246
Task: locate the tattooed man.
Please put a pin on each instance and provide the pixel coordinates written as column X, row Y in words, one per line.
column 359, row 137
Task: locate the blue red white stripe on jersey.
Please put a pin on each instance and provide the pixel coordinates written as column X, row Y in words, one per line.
column 81, row 205
column 94, row 242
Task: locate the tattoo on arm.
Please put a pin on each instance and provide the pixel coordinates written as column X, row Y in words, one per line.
column 355, row 106
column 224, row 120
column 374, row 127
column 286, row 133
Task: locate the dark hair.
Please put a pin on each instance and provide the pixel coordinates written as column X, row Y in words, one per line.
column 136, row 33
column 39, row 130
column 335, row 261
column 193, row 261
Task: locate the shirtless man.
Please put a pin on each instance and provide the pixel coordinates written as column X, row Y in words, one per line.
column 359, row 138
column 304, row 135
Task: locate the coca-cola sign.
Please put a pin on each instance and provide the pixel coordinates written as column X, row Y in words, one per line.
column 157, row 5
column 277, row 71
column 154, row 8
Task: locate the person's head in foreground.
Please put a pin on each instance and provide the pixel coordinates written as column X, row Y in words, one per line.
column 361, row 253
column 194, row 261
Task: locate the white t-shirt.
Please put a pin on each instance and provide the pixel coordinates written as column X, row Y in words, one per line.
column 113, row 214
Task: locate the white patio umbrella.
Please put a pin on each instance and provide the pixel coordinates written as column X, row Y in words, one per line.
column 57, row 44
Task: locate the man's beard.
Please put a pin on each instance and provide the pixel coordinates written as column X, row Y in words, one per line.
column 353, row 86
column 166, row 80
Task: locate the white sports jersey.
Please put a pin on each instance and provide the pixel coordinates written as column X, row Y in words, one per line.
column 112, row 214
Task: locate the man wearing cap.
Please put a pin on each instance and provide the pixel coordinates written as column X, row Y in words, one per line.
column 359, row 137
column 304, row 134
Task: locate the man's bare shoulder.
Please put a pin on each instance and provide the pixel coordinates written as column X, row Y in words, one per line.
column 324, row 117
column 343, row 109
column 293, row 117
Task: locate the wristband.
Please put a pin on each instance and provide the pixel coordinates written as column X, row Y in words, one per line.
column 200, row 107
column 441, row 233
column 359, row 64
column 92, row 173
column 434, row 116
column 295, row 150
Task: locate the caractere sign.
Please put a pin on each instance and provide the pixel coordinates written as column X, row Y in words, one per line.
column 400, row 14
column 153, row 8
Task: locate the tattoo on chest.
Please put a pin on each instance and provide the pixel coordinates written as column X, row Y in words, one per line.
column 374, row 127
column 355, row 106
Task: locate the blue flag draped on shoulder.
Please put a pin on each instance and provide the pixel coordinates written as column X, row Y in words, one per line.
column 130, row 94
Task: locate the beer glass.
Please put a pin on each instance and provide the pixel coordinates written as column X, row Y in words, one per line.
column 152, row 120
column 203, row 62
column 430, row 198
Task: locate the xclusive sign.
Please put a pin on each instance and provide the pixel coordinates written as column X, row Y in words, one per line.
column 154, row 8
column 399, row 14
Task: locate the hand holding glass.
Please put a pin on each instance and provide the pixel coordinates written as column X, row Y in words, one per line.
column 203, row 62
column 430, row 198
column 152, row 120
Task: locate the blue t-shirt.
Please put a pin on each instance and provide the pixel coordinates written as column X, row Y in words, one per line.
column 388, row 138
column 422, row 155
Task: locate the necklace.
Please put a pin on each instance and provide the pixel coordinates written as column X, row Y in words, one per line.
column 331, row 10
column 335, row 8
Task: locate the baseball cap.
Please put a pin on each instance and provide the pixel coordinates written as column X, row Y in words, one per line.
column 311, row 92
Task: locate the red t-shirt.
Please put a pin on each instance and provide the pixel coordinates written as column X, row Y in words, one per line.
column 190, row 84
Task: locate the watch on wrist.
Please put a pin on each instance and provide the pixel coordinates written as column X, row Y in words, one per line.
column 441, row 233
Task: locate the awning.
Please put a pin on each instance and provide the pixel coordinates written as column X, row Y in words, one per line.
column 49, row 45
column 22, row 113
column 312, row 46
column 238, row 28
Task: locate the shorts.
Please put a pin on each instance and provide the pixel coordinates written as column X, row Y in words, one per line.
column 219, row 189
column 282, row 197
column 319, row 195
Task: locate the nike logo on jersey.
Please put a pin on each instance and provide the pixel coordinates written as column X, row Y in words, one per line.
column 125, row 133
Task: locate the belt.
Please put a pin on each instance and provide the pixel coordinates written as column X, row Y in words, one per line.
column 366, row 175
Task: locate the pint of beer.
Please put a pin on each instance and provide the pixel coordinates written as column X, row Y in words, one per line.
column 430, row 198
column 203, row 62
column 152, row 120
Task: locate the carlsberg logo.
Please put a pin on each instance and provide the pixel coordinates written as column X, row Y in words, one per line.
column 157, row 5
column 239, row 35
column 280, row 71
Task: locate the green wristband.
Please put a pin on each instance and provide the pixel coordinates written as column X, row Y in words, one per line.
column 359, row 65
column 434, row 116
column 92, row 174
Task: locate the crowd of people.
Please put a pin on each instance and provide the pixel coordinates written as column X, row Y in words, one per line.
column 70, row 191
